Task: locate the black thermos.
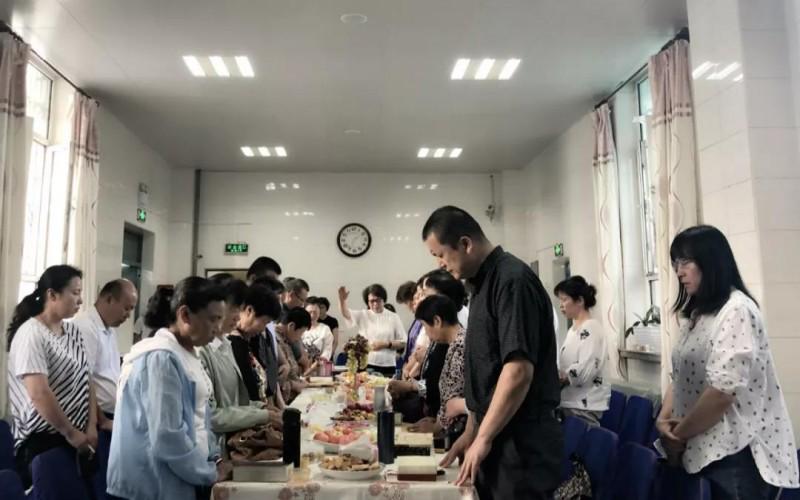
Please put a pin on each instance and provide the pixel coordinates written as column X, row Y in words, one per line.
column 386, row 437
column 291, row 436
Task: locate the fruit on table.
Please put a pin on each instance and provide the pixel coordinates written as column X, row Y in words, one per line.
column 337, row 435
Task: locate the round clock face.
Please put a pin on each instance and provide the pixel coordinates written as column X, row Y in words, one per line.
column 354, row 240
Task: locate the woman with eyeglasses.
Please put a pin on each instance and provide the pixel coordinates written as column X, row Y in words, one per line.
column 724, row 416
column 381, row 327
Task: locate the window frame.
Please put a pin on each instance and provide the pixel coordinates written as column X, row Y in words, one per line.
column 644, row 175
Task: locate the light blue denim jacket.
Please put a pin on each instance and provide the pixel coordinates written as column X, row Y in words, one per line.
column 154, row 455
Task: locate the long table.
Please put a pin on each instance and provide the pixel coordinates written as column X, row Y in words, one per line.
column 317, row 406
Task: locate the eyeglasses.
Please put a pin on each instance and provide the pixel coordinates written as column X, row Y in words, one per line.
column 678, row 263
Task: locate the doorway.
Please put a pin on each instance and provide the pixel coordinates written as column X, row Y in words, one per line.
column 132, row 249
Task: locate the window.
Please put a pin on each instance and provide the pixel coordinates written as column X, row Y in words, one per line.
column 647, row 192
column 47, row 189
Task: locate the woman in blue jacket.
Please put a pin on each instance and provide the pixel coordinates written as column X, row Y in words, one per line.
column 162, row 446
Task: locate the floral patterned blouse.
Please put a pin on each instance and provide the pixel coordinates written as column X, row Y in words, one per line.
column 451, row 383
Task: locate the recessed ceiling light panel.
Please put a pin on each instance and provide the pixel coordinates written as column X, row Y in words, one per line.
column 437, row 153
column 353, row 18
column 219, row 66
column 484, row 69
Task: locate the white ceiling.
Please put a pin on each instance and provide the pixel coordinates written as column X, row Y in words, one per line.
column 317, row 77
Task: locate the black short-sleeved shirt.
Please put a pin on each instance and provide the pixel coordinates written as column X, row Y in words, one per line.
column 332, row 322
column 510, row 314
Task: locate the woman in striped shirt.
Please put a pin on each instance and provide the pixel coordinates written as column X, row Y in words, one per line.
column 52, row 401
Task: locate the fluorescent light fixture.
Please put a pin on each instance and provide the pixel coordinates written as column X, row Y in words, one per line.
column 416, row 215
column 295, row 186
column 247, row 151
column 460, row 69
column 219, row 66
column 264, row 151
column 408, row 186
column 283, row 185
column 194, row 66
column 434, row 187
column 724, row 72
column 455, row 152
column 407, row 216
column 702, row 69
column 245, row 69
column 739, row 78
column 270, row 186
column 423, row 153
column 391, row 238
column 296, row 214
column 398, row 215
column 484, row 69
column 438, row 153
column 420, row 186
column 280, row 151
column 508, row 69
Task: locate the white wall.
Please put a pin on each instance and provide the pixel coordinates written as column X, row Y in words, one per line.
column 557, row 197
column 125, row 161
column 235, row 206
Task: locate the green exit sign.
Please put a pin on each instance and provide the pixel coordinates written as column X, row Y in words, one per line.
column 141, row 215
column 558, row 249
column 236, row 248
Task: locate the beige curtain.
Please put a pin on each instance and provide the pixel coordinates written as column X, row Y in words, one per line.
column 672, row 155
column 15, row 145
column 610, row 294
column 84, row 160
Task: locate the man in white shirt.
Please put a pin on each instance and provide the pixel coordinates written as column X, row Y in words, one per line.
column 97, row 325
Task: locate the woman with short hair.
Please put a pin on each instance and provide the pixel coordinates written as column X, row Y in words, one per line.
column 381, row 327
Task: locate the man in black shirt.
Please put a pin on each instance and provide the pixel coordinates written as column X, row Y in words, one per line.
column 512, row 445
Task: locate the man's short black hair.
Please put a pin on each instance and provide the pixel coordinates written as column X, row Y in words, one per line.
column 235, row 292
column 450, row 224
column 273, row 284
column 263, row 302
column 263, row 265
column 323, row 301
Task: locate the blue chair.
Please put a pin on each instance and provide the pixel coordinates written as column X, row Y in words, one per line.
column 598, row 452
column 341, row 358
column 11, row 486
column 6, row 447
column 673, row 483
column 637, row 421
column 636, row 472
column 574, row 429
column 55, row 476
column 612, row 418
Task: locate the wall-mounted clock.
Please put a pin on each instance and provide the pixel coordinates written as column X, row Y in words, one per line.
column 354, row 240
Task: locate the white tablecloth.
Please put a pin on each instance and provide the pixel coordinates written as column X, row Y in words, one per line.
column 317, row 408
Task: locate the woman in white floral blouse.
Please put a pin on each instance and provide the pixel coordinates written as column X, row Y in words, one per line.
column 724, row 415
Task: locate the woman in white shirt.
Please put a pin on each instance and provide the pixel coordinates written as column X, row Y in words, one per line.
column 382, row 328
column 319, row 334
column 724, row 415
column 583, row 356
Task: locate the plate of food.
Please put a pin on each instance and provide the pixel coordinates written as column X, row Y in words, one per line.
column 352, row 415
column 349, row 468
column 332, row 438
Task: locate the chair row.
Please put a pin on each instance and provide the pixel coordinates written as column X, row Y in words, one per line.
column 627, row 472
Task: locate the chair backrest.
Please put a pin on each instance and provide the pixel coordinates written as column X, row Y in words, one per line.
column 574, row 428
column 598, row 452
column 636, row 471
column 612, row 418
column 673, row 483
column 55, row 476
column 637, row 421
column 6, row 446
column 11, row 485
column 341, row 358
